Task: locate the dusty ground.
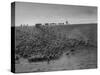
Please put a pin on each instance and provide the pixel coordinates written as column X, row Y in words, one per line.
column 81, row 58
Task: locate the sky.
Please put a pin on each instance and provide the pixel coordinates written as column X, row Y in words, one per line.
column 32, row 13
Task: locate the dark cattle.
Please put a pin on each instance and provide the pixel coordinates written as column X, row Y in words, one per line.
column 37, row 59
column 48, row 59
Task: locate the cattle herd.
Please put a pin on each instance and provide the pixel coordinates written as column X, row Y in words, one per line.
column 44, row 45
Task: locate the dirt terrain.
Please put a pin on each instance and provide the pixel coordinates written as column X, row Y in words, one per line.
column 79, row 59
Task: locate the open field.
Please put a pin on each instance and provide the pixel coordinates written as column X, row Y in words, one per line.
column 53, row 48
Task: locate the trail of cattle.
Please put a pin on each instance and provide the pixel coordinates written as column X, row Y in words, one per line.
column 56, row 48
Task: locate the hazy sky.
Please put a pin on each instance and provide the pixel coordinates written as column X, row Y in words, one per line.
column 32, row 13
